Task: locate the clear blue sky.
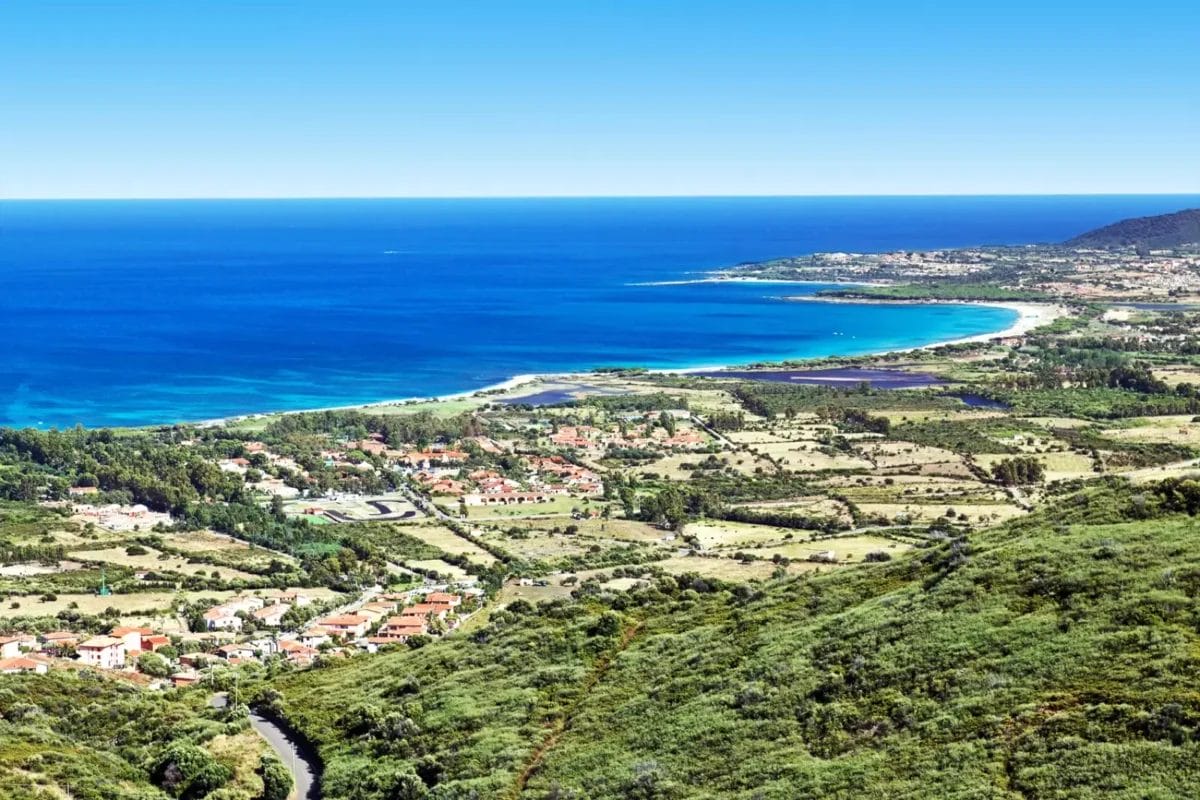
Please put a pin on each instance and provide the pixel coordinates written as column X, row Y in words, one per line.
column 330, row 98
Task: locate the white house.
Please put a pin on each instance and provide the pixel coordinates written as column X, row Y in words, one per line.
column 315, row 637
column 10, row 666
column 105, row 652
column 132, row 637
column 272, row 616
column 222, row 618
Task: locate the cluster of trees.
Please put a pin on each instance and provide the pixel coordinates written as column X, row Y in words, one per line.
column 149, row 468
column 420, row 429
column 727, row 421
column 656, row 401
column 1018, row 471
column 854, row 420
column 937, row 291
column 767, row 399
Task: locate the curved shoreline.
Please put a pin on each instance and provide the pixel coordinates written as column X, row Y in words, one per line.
column 1030, row 315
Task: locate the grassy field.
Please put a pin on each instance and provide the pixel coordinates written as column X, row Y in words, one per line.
column 450, row 542
column 540, row 545
column 223, row 549
column 728, row 569
column 1059, row 466
column 848, row 549
column 615, row 530
column 673, row 467
column 451, row 571
column 1174, row 429
column 153, row 560
column 714, row 534
column 556, row 506
column 133, row 608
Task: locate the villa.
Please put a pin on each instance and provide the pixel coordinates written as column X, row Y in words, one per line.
column 132, row 637
column 222, row 618
column 272, row 615
column 11, row 666
column 345, row 625
column 106, row 652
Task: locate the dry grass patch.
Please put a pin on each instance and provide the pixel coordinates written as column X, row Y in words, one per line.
column 616, row 530
column 242, row 753
column 888, row 454
column 157, row 561
column 1175, row 429
column 450, row 542
column 680, row 467
column 1173, row 376
column 806, row 457
column 847, row 549
column 915, row 512
column 454, row 573
column 1058, row 466
column 714, row 534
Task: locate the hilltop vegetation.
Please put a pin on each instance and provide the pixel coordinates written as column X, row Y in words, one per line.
column 1051, row 657
column 1163, row 230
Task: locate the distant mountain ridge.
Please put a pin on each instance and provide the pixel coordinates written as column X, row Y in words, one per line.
column 1164, row 230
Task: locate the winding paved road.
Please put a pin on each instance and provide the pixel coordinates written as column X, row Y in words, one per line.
column 293, row 754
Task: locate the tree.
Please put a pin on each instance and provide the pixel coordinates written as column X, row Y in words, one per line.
column 277, row 781
column 665, row 509
column 1018, row 471
column 187, row 771
column 154, row 665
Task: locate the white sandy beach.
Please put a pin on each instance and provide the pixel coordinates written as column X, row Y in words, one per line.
column 1030, row 316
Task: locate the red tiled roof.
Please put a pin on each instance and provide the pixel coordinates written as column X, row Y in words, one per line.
column 101, row 642
column 343, row 621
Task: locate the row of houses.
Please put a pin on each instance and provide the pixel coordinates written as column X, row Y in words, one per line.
column 646, row 434
column 110, row 651
column 268, row 611
column 396, row 621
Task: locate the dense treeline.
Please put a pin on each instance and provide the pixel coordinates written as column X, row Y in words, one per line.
column 767, row 399
column 151, row 470
column 936, row 291
column 421, row 429
column 656, row 401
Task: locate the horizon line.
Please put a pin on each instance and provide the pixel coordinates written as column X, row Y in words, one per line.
column 201, row 198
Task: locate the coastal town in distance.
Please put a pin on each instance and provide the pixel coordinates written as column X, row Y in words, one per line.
column 343, row 572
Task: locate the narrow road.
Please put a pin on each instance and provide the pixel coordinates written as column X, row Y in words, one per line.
column 704, row 427
column 293, row 754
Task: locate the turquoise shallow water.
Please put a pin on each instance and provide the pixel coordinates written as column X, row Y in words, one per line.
column 119, row 313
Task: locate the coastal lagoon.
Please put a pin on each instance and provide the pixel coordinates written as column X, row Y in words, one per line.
column 140, row 312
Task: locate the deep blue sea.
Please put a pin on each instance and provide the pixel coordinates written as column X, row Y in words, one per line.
column 138, row 312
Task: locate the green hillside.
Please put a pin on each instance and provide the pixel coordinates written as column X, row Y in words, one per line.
column 1052, row 657
column 1164, row 230
column 85, row 736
